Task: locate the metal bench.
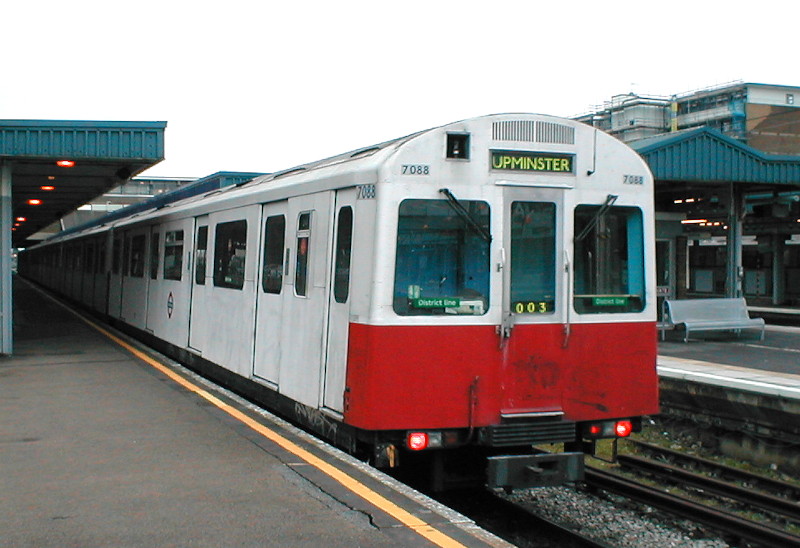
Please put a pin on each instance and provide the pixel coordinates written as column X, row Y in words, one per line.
column 710, row 315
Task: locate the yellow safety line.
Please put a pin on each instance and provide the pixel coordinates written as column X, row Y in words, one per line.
column 403, row 516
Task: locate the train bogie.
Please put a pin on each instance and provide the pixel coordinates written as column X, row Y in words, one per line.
column 478, row 288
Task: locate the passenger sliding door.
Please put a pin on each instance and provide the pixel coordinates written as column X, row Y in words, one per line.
column 198, row 324
column 339, row 302
column 305, row 297
column 269, row 302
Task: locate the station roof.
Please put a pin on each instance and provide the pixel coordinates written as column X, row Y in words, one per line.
column 210, row 183
column 105, row 154
column 705, row 155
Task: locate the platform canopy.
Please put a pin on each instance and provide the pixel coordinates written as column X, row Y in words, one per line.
column 55, row 166
column 705, row 155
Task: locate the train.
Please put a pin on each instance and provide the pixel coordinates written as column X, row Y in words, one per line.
column 474, row 301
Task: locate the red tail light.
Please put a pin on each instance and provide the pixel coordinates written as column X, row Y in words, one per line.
column 623, row 429
column 417, row 441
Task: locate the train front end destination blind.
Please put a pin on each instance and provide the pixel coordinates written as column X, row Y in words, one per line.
column 547, row 162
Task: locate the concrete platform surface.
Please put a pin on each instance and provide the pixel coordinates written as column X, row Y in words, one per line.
column 99, row 448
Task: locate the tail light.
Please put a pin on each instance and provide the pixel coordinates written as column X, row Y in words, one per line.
column 607, row 429
column 417, row 441
column 623, row 429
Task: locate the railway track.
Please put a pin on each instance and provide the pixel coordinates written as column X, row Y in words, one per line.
column 514, row 523
column 761, row 496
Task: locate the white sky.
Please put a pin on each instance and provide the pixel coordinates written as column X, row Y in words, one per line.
column 266, row 85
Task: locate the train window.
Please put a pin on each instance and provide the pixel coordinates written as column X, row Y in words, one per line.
column 154, row 256
column 88, row 263
column 301, row 264
column 533, row 253
column 117, row 254
column 442, row 261
column 272, row 269
column 344, row 241
column 173, row 255
column 230, row 246
column 201, row 247
column 126, row 258
column 609, row 260
column 100, row 264
column 138, row 244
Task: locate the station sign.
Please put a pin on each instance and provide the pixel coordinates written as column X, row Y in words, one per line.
column 546, row 162
column 436, row 302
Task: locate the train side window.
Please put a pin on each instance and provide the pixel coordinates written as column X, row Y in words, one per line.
column 126, row 255
column 154, row 256
column 608, row 260
column 442, row 260
column 301, row 263
column 230, row 247
column 173, row 255
column 116, row 256
column 88, row 263
column 533, row 253
column 272, row 269
column 100, row 264
column 344, row 241
column 138, row 244
column 201, row 248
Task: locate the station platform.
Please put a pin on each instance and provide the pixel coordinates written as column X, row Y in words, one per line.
column 771, row 365
column 744, row 385
column 105, row 443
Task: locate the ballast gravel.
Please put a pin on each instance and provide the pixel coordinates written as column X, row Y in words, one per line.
column 614, row 521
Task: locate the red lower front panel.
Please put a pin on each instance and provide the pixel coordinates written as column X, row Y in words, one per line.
column 402, row 377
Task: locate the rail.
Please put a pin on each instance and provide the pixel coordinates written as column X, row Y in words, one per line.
column 757, row 533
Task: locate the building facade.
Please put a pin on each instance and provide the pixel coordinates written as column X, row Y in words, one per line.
column 765, row 117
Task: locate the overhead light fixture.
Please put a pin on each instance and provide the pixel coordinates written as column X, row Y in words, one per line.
column 21, row 219
column 693, row 221
column 51, row 177
column 47, row 187
column 65, row 163
column 34, row 201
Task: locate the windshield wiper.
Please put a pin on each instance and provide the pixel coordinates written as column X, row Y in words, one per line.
column 599, row 214
column 465, row 216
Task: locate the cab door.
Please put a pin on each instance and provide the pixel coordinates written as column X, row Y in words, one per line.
column 533, row 317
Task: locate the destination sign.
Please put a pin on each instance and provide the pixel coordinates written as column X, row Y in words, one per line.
column 514, row 160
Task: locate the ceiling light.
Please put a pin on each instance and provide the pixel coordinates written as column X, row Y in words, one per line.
column 34, row 201
column 47, row 187
column 65, row 163
column 21, row 219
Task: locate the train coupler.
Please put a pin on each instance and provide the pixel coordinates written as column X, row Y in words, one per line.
column 509, row 472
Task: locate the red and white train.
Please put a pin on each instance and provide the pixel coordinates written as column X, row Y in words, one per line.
column 460, row 296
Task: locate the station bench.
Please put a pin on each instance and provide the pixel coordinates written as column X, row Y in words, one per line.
column 710, row 315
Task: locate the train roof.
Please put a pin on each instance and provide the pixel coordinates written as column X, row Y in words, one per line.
column 231, row 185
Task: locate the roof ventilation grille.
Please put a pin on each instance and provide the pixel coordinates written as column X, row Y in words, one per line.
column 514, row 130
column 549, row 132
column 533, row 131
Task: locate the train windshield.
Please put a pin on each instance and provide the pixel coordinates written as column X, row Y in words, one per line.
column 442, row 263
column 609, row 259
